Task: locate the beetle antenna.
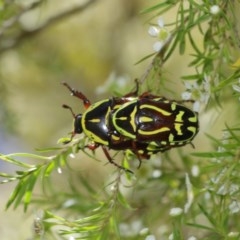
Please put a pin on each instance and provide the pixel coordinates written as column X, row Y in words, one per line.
column 70, row 109
column 68, row 87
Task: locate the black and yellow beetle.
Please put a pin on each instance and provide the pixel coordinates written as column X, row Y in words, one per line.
column 145, row 124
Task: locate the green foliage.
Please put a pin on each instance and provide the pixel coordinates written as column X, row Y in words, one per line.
column 29, row 175
column 204, row 185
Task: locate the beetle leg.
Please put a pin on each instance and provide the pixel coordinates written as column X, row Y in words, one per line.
column 78, row 94
column 192, row 145
column 111, row 160
column 92, row 146
column 135, row 92
column 139, row 160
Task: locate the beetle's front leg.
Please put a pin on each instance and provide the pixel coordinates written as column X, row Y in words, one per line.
column 78, row 94
column 92, row 146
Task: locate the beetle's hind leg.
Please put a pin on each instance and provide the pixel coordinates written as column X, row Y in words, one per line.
column 111, row 160
column 78, row 94
column 135, row 92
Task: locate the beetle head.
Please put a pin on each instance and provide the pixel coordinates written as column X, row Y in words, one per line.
column 78, row 124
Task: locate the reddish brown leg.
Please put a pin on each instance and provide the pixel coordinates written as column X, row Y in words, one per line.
column 78, row 94
column 92, row 146
column 111, row 160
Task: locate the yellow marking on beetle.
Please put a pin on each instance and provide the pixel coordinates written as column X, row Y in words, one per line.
column 153, row 143
column 107, row 116
column 170, row 138
column 145, row 119
column 192, row 129
column 129, row 118
column 125, row 133
column 193, row 119
column 163, row 129
column 178, row 128
column 132, row 119
column 95, row 120
column 165, row 113
column 179, row 116
column 115, row 138
column 173, row 106
column 116, row 106
column 122, row 118
column 152, row 146
column 96, row 138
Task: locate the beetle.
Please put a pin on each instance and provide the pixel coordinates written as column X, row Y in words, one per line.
column 145, row 124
